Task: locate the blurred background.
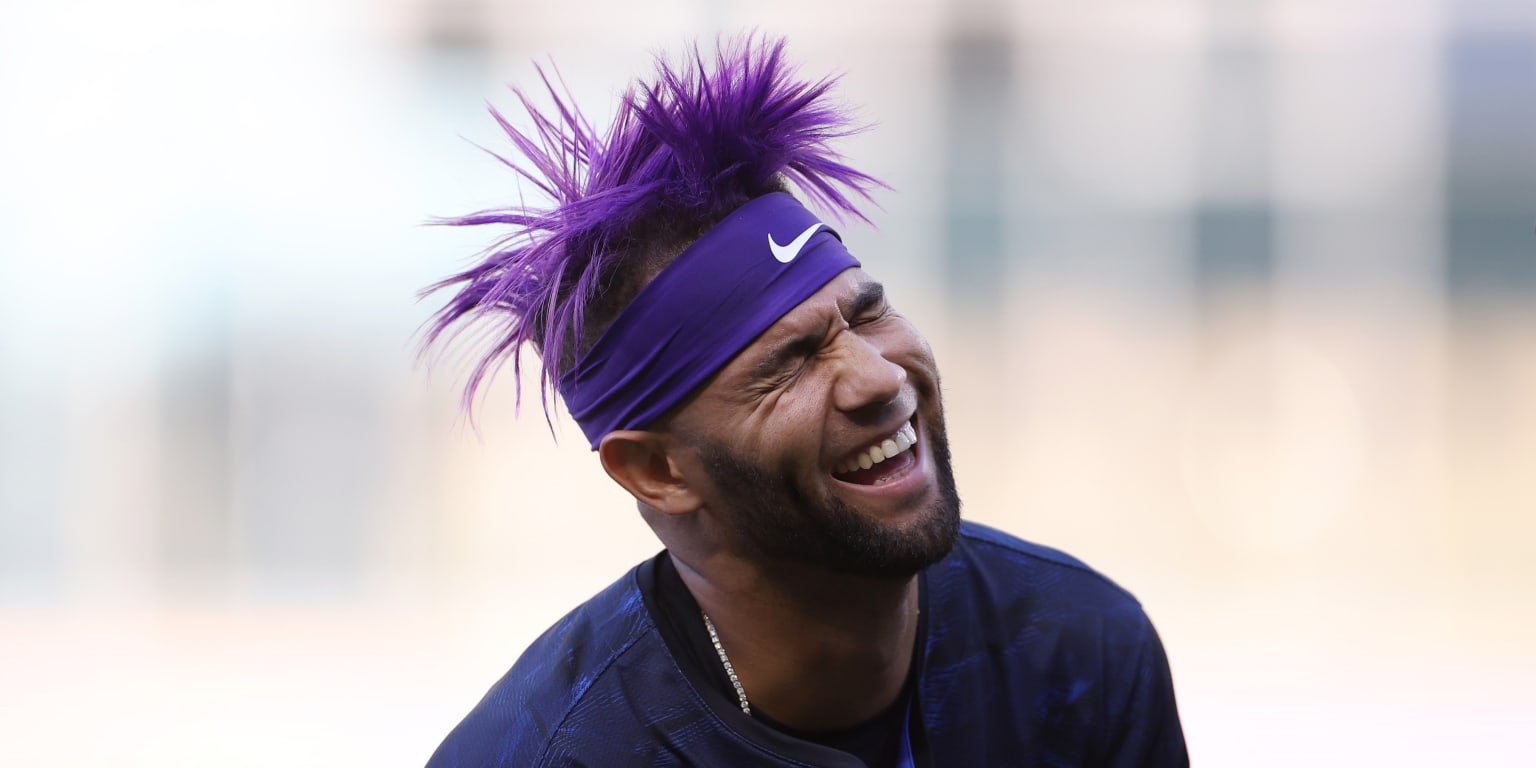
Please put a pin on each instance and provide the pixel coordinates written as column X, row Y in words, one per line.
column 1235, row 300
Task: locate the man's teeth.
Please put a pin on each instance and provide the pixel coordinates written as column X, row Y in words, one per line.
column 890, row 447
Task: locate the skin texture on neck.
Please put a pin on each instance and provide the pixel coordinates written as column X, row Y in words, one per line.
column 815, row 650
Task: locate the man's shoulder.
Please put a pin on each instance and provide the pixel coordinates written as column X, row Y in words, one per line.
column 1014, row 570
column 1004, row 592
column 1024, row 628
column 520, row 717
column 999, row 549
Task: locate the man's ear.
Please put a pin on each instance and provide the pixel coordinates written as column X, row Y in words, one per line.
column 644, row 463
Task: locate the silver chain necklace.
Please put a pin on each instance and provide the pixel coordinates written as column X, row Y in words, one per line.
column 725, row 661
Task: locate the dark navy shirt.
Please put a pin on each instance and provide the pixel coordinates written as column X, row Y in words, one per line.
column 1029, row 658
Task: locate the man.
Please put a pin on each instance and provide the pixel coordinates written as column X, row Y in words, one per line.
column 819, row 601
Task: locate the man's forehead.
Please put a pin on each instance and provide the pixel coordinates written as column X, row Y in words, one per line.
column 822, row 306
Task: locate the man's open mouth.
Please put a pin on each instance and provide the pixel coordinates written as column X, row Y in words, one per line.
column 882, row 461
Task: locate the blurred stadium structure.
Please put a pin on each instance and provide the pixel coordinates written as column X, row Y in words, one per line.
column 1235, row 300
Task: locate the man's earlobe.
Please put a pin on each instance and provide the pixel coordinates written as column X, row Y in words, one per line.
column 643, row 463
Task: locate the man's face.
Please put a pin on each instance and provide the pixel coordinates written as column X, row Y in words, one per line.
column 824, row 442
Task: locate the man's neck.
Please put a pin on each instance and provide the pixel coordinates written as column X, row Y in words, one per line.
column 814, row 650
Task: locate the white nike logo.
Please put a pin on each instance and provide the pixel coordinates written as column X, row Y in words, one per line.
column 787, row 253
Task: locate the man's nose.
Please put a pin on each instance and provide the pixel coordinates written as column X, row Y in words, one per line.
column 866, row 377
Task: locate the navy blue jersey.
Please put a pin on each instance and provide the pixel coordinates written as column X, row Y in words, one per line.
column 1029, row 658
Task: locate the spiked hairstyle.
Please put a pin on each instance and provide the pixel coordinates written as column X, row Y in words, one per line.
column 685, row 149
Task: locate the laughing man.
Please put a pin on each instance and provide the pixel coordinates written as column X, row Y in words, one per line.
column 780, row 426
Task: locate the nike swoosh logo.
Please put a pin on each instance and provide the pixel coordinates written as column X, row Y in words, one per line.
column 787, row 253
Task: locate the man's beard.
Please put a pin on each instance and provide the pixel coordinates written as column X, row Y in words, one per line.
column 783, row 520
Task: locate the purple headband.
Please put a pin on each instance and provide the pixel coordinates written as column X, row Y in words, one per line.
column 719, row 295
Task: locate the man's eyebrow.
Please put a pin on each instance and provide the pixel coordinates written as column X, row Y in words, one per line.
column 800, row 345
column 870, row 295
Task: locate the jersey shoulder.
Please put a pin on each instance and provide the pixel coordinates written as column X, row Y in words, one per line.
column 1063, row 656
column 997, row 549
column 520, row 719
column 1012, row 570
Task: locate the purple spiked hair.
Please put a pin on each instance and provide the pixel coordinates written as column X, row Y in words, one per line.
column 684, row 150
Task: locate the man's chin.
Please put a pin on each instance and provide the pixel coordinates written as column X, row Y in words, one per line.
column 864, row 546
